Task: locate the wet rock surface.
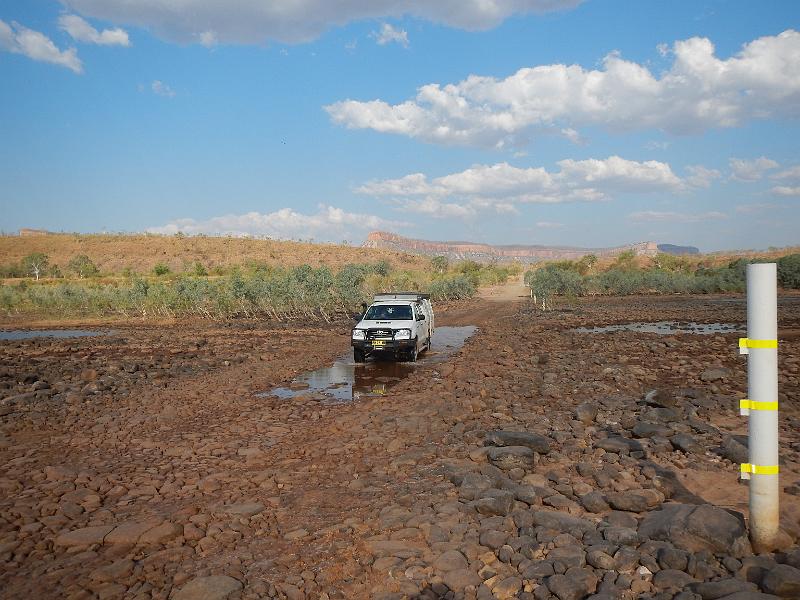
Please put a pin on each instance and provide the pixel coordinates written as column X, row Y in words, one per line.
column 538, row 462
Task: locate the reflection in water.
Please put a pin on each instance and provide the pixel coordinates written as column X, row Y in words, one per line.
column 25, row 334
column 666, row 328
column 346, row 381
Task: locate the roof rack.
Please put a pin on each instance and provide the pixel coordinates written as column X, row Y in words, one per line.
column 412, row 296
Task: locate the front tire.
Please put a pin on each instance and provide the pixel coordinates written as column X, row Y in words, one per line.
column 412, row 354
column 359, row 356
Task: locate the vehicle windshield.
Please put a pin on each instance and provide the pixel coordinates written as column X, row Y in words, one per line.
column 389, row 312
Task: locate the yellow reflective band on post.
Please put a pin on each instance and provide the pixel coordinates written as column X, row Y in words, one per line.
column 745, row 406
column 746, row 343
column 747, row 469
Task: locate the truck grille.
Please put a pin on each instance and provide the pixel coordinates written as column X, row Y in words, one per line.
column 373, row 334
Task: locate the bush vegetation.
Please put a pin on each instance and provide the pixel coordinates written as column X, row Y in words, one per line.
column 254, row 289
column 667, row 275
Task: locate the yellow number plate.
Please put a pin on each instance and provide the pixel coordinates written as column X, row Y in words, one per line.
column 378, row 343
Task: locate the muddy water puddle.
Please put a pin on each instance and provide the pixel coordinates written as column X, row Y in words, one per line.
column 345, row 380
column 667, row 328
column 27, row 334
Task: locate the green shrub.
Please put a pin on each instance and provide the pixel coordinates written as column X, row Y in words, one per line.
column 35, row 264
column 160, row 269
column 789, row 271
column 439, row 264
column 459, row 287
column 199, row 270
column 82, row 266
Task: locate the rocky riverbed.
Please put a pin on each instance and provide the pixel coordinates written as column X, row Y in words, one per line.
column 537, row 462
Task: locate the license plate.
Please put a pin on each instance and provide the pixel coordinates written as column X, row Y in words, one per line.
column 378, row 343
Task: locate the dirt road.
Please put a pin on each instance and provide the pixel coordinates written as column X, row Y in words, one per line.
column 532, row 464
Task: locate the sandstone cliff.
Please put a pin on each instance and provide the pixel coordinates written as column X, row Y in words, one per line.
column 486, row 253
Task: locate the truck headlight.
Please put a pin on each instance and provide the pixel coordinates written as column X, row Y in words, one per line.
column 358, row 334
column 402, row 334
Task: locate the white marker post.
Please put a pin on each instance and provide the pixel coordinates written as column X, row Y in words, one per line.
column 761, row 405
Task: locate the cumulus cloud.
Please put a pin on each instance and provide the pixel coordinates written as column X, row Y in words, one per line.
column 389, row 34
column 700, row 91
column 756, row 208
column 651, row 216
column 81, row 31
column 501, row 187
column 160, row 88
column 328, row 224
column 751, row 170
column 18, row 39
column 792, row 173
column 701, row 177
column 257, row 21
column 786, row 190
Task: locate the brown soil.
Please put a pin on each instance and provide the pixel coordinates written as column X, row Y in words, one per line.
column 162, row 425
column 113, row 253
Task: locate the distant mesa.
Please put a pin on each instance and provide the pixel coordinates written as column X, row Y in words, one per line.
column 25, row 232
column 677, row 250
column 516, row 253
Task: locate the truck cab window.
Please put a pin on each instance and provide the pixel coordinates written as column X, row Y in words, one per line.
column 389, row 312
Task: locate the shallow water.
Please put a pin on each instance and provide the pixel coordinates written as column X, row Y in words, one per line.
column 26, row 334
column 345, row 380
column 666, row 328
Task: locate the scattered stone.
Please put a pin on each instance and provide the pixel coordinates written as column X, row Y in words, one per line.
column 575, row 584
column 686, row 443
column 160, row 535
column 248, row 509
column 586, row 412
column 713, row 590
column 594, row 502
column 84, row 537
column 783, row 581
column 670, row 579
column 511, row 457
column 719, row 374
column 734, row 448
column 537, row 443
column 217, row 587
column 451, row 560
column 643, row 429
column 459, row 579
column 696, row 528
column 507, row 588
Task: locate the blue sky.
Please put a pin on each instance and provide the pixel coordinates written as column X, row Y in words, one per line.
column 591, row 123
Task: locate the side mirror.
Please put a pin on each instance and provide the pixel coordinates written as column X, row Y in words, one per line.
column 357, row 317
column 420, row 317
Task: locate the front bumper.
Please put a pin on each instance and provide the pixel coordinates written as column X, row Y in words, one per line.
column 370, row 346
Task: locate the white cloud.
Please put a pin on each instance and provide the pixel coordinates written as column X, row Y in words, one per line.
column 699, row 91
column 751, row 170
column 656, row 145
column 328, row 224
column 208, row 39
column 785, row 190
column 501, row 187
column 162, row 89
column 389, row 34
column 18, row 39
column 746, row 209
column 81, row 31
column 651, row 216
column 258, row 21
column 700, row 176
column 792, row 173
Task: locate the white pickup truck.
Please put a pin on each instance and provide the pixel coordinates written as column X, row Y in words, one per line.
column 398, row 324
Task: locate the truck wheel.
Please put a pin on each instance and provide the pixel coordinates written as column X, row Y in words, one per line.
column 412, row 354
column 358, row 355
